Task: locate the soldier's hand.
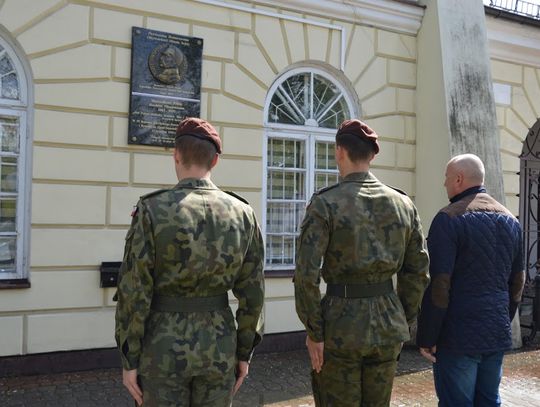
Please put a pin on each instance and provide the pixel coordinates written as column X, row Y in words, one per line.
column 242, row 369
column 129, row 379
column 429, row 353
column 316, row 353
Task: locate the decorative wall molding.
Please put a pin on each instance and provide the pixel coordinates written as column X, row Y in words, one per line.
column 513, row 42
column 394, row 15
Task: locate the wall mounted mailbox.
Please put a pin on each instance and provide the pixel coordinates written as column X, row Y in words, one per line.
column 109, row 273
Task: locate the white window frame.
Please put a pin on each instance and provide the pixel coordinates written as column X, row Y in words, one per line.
column 20, row 212
column 311, row 135
column 20, row 108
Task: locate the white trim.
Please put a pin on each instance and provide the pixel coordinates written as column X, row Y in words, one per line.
column 264, row 193
column 513, row 42
column 387, row 14
column 290, row 136
column 292, row 128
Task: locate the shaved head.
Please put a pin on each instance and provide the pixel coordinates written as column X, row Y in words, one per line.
column 471, row 166
column 463, row 172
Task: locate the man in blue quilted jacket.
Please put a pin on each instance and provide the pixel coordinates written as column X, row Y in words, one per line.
column 477, row 277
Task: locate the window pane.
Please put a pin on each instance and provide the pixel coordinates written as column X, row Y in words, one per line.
column 295, row 101
column 325, row 159
column 282, row 218
column 335, row 116
column 286, row 185
column 8, row 252
column 275, row 185
column 286, row 153
column 10, row 86
column 8, row 215
column 323, row 95
column 288, row 250
column 281, row 111
column 6, row 66
column 9, row 134
column 325, row 179
column 280, row 250
column 293, row 154
column 278, row 153
column 8, row 174
column 332, row 157
column 274, row 250
column 294, row 185
column 320, row 181
column 298, row 89
column 321, row 161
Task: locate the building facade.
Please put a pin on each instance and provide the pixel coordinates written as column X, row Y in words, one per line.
column 277, row 79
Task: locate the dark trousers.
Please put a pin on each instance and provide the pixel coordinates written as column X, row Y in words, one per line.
column 470, row 380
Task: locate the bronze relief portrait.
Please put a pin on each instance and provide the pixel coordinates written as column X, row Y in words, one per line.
column 167, row 64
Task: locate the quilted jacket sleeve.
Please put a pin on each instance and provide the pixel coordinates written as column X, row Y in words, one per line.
column 442, row 248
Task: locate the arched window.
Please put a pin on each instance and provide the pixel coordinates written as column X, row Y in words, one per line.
column 13, row 171
column 303, row 109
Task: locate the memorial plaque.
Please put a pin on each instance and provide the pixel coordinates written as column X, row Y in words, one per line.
column 165, row 85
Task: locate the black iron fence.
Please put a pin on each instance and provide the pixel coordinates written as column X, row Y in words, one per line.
column 523, row 8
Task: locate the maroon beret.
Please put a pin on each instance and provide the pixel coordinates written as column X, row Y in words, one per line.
column 193, row 126
column 360, row 129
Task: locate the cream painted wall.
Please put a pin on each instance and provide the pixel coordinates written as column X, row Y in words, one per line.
column 517, row 97
column 515, row 70
column 86, row 177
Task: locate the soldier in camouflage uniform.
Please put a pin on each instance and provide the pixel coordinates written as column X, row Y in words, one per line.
column 363, row 233
column 186, row 248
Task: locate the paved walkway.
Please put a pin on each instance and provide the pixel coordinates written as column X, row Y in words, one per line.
column 275, row 380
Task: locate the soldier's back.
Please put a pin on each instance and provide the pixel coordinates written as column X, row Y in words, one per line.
column 370, row 224
column 201, row 235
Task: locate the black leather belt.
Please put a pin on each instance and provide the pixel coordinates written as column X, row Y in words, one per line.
column 359, row 290
column 190, row 304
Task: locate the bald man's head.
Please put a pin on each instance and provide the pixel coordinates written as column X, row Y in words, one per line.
column 463, row 172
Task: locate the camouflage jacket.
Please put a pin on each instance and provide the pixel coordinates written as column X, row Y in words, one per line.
column 364, row 232
column 193, row 240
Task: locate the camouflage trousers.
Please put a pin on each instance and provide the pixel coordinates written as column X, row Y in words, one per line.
column 212, row 390
column 356, row 378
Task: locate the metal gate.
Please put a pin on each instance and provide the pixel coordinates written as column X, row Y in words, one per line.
column 529, row 215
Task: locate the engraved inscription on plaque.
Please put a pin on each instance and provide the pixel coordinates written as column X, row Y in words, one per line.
column 165, row 85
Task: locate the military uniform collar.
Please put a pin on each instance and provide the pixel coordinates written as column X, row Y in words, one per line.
column 359, row 177
column 198, row 183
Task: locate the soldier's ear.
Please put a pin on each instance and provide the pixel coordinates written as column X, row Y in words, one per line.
column 339, row 152
column 176, row 156
column 214, row 161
